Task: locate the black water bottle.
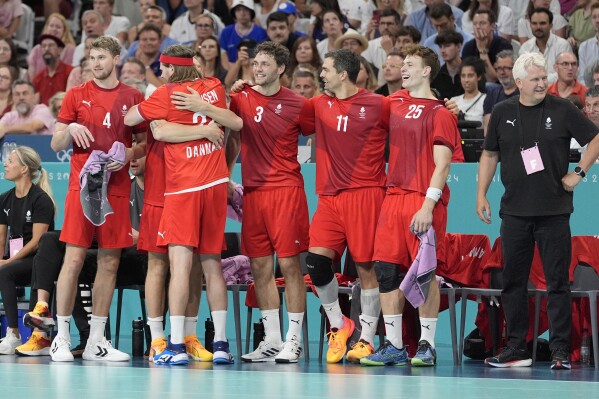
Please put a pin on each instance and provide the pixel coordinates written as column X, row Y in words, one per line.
column 138, row 337
column 209, row 335
column 258, row 333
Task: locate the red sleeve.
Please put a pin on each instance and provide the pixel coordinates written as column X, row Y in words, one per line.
column 68, row 111
column 307, row 118
column 157, row 106
column 445, row 129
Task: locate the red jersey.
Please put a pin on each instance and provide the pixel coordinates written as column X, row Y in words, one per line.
column 269, row 137
column 350, row 140
column 154, row 175
column 192, row 165
column 102, row 111
column 416, row 126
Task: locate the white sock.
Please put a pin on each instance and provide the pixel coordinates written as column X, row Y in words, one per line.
column 393, row 329
column 177, row 329
column 156, row 325
column 428, row 326
column 295, row 325
column 369, row 325
column 64, row 325
column 191, row 326
column 219, row 318
column 333, row 312
column 97, row 327
column 272, row 325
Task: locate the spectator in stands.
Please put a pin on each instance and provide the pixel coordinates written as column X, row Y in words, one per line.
column 366, row 77
column 389, row 27
column 54, row 77
column 264, row 8
column 485, row 44
column 244, row 28
column 520, row 8
column 8, row 74
column 279, row 31
column 91, row 22
column 420, row 19
column 591, row 107
column 332, row 25
column 370, row 26
column 472, row 78
column 353, row 41
column 507, row 85
column 242, row 68
column 163, row 41
column 524, row 30
column 588, row 52
column 580, row 24
column 76, row 76
column 296, row 22
column 447, row 82
column 566, row 67
column 304, row 51
column 505, row 24
column 304, row 81
column 211, row 55
column 544, row 41
column 30, row 214
column 183, row 28
column 391, row 74
column 153, row 15
column 173, row 9
column 10, row 17
column 8, row 55
column 113, row 25
column 135, row 69
column 595, row 75
column 56, row 25
column 317, row 10
column 56, row 103
column 442, row 19
column 27, row 117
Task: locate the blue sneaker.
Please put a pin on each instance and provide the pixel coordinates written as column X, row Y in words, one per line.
column 425, row 355
column 175, row 354
column 387, row 355
column 221, row 353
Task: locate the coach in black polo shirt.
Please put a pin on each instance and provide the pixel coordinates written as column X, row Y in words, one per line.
column 531, row 133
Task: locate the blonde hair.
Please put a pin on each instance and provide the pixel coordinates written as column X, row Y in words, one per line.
column 67, row 36
column 31, row 159
column 525, row 61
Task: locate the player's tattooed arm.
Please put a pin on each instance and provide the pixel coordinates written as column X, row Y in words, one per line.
column 194, row 102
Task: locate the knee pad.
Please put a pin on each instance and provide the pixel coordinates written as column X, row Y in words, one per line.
column 387, row 274
column 320, row 269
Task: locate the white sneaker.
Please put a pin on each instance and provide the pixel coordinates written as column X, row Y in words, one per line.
column 103, row 350
column 266, row 352
column 60, row 351
column 9, row 343
column 291, row 352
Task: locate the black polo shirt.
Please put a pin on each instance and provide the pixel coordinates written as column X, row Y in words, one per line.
column 497, row 44
column 446, row 85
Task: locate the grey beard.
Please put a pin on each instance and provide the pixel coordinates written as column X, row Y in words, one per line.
column 23, row 109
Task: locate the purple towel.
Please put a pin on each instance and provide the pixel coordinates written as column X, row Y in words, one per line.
column 235, row 204
column 417, row 281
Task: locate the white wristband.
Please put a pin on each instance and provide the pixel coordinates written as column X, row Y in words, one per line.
column 433, row 193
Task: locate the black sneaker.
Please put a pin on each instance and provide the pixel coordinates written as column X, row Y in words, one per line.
column 510, row 357
column 560, row 359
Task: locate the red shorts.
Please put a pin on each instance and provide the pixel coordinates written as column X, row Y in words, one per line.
column 395, row 243
column 275, row 219
column 148, row 229
column 348, row 219
column 196, row 219
column 78, row 230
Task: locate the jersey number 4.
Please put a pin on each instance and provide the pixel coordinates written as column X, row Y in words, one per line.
column 107, row 121
column 414, row 112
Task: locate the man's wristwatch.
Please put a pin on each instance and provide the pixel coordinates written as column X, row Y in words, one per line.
column 580, row 171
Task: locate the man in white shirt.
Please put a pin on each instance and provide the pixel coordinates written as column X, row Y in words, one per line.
column 588, row 52
column 183, row 28
column 379, row 48
column 544, row 41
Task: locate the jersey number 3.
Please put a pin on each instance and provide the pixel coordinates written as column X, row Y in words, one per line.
column 259, row 112
column 414, row 112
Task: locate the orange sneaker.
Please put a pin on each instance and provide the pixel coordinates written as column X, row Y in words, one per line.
column 157, row 347
column 360, row 349
column 338, row 340
column 195, row 350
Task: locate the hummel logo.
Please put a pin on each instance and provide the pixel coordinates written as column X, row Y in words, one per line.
column 512, row 122
column 427, row 327
column 162, row 234
column 264, row 318
column 295, row 321
column 330, row 104
column 6, row 211
column 88, row 103
column 55, row 349
column 392, row 324
column 368, row 323
column 101, row 351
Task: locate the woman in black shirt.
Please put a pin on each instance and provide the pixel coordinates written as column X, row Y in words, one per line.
column 27, row 212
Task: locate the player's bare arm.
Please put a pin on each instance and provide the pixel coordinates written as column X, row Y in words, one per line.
column 64, row 134
column 177, row 133
column 232, row 149
column 193, row 102
column 136, row 151
column 423, row 219
column 486, row 170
